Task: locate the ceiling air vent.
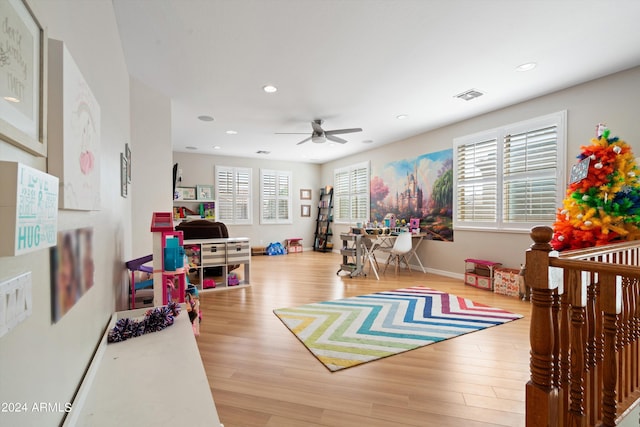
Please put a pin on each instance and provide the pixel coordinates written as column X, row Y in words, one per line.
column 469, row 94
column 263, row 152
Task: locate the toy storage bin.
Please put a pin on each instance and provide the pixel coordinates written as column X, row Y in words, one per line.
column 214, row 254
column 479, row 273
column 238, row 252
column 507, row 282
column 293, row 245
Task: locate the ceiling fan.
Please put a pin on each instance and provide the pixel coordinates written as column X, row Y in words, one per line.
column 319, row 135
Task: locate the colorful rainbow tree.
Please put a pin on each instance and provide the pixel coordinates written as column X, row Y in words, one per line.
column 603, row 198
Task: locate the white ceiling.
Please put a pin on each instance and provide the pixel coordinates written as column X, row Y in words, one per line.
column 360, row 63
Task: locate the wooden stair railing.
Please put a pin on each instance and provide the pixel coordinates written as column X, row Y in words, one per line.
column 585, row 330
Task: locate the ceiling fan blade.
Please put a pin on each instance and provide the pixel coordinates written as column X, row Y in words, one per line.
column 335, row 139
column 303, row 141
column 336, row 131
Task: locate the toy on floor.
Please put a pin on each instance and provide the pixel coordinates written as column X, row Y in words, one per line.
column 192, row 301
column 276, row 248
column 232, row 279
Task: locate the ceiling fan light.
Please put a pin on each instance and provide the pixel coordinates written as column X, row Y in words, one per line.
column 318, row 139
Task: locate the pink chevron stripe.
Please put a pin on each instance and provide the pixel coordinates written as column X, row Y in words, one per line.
column 446, row 309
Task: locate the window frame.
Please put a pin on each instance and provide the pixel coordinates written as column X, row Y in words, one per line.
column 221, row 195
column 276, row 174
column 352, row 193
column 559, row 120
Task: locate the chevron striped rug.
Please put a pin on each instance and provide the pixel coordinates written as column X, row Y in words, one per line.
column 351, row 331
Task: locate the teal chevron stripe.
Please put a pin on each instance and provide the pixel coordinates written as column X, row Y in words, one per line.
column 351, row 331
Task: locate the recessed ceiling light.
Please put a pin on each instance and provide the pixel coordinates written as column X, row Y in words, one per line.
column 216, row 147
column 191, row 147
column 402, row 117
column 205, row 118
column 11, row 99
column 526, row 67
column 232, row 132
column 368, row 141
column 269, row 88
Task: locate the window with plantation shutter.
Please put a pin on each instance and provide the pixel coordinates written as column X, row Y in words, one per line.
column 510, row 178
column 530, row 166
column 233, row 194
column 477, row 181
column 275, row 197
column 351, row 193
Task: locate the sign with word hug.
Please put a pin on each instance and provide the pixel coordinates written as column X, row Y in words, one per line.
column 28, row 209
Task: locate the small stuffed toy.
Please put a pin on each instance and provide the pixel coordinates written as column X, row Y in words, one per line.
column 232, row 279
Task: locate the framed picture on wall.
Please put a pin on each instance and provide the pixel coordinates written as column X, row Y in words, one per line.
column 124, row 185
column 186, row 193
column 22, row 70
column 305, row 210
column 305, row 194
column 204, row 192
column 127, row 152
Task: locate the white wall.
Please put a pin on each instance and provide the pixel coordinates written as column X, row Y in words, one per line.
column 152, row 162
column 199, row 169
column 614, row 100
column 41, row 361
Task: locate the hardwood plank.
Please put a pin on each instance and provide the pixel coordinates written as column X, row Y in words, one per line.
column 261, row 375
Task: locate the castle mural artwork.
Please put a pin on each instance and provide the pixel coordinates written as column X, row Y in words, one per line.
column 420, row 187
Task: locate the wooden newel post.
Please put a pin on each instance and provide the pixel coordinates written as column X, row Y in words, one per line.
column 541, row 392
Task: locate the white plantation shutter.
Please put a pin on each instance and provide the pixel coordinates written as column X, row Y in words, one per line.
column 233, row 192
column 275, row 196
column 530, row 187
column 360, row 194
column 510, row 177
column 477, row 181
column 351, row 193
column 341, row 196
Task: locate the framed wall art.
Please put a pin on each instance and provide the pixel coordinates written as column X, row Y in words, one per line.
column 72, row 269
column 73, row 132
column 305, row 210
column 305, row 194
column 23, row 50
column 124, row 184
column 186, row 193
column 127, row 154
column 204, row 192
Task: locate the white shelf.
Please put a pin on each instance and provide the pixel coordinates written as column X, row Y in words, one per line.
column 194, row 205
column 193, row 201
column 221, row 253
column 126, row 383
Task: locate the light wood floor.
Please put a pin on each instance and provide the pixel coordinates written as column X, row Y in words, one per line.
column 261, row 375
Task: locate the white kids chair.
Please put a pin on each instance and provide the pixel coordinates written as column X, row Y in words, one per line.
column 401, row 247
